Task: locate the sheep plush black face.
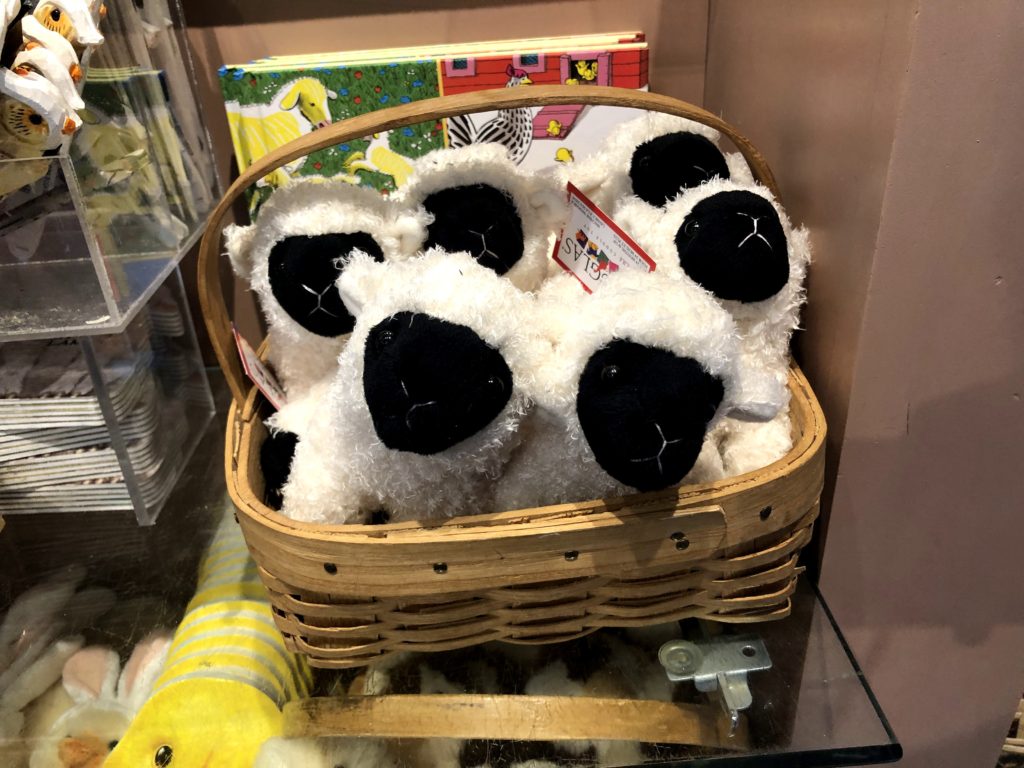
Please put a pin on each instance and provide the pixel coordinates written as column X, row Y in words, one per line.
column 644, row 412
column 733, row 244
column 664, row 166
column 276, row 456
column 430, row 384
column 303, row 270
column 479, row 219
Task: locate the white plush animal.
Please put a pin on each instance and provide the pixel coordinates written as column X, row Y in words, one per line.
column 735, row 243
column 639, row 372
column 653, row 157
column 425, row 407
column 290, row 257
column 475, row 199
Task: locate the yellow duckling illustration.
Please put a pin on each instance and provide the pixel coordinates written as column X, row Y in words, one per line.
column 554, row 128
column 564, row 155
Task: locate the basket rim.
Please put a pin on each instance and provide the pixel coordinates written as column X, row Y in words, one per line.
column 698, row 497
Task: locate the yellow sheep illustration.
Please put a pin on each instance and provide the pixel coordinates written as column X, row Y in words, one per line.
column 298, row 108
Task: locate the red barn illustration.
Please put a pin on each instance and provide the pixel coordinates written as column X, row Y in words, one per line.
column 624, row 67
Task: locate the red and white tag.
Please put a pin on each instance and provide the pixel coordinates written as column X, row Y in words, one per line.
column 260, row 375
column 592, row 246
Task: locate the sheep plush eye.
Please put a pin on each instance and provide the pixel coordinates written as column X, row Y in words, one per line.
column 609, row 373
column 664, row 166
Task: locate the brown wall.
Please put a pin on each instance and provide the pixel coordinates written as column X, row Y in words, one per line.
column 816, row 87
column 895, row 133
column 235, row 31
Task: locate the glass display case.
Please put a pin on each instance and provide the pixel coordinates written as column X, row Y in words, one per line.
column 103, row 423
column 810, row 706
column 88, row 233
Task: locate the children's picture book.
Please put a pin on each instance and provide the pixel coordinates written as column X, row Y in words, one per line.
column 272, row 101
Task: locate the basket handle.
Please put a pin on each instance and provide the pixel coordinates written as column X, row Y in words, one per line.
column 211, row 297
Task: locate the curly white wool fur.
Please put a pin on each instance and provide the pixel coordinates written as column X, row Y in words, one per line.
column 765, row 326
column 555, row 464
column 298, row 356
column 342, row 469
column 540, row 200
column 604, row 175
column 747, row 446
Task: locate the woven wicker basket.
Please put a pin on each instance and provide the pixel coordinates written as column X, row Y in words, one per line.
column 349, row 595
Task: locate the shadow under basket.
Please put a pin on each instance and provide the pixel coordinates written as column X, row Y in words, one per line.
column 349, row 595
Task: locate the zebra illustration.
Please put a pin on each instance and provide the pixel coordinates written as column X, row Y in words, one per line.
column 512, row 128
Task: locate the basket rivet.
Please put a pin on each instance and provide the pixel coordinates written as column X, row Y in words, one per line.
column 766, row 512
column 331, row 568
column 440, row 567
column 571, row 555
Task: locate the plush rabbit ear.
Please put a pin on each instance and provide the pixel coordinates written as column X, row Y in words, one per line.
column 239, row 244
column 92, row 673
column 143, row 668
column 360, row 279
column 43, row 672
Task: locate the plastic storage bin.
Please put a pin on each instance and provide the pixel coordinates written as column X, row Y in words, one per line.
column 95, row 228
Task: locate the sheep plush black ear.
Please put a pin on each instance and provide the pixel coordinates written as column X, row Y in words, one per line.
column 303, row 270
column 733, row 244
column 276, row 455
column 644, row 412
column 666, row 165
column 479, row 219
column 430, row 384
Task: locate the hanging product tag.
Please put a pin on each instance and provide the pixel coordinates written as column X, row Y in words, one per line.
column 592, row 246
column 260, row 375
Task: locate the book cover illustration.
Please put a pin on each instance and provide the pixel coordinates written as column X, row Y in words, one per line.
column 269, row 105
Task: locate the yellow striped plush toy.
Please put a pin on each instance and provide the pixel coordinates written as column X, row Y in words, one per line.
column 227, row 675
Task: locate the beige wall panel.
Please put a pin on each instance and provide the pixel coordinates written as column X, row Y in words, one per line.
column 923, row 564
column 893, row 131
column 816, row 86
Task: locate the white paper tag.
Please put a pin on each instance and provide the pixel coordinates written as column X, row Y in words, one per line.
column 260, row 375
column 592, row 246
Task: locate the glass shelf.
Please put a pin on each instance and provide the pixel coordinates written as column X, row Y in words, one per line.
column 89, row 233
column 812, row 708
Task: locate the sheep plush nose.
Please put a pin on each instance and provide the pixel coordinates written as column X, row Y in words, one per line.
column 733, row 244
column 430, row 384
column 644, row 412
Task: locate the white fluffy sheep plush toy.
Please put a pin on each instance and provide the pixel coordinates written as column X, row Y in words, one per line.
column 736, row 243
column 653, row 158
column 475, row 200
column 292, row 257
column 424, row 409
column 640, row 371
